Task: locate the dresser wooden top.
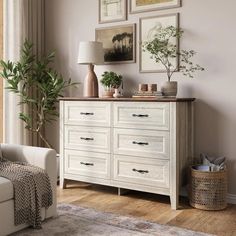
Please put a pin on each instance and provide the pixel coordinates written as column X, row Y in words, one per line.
column 129, row 99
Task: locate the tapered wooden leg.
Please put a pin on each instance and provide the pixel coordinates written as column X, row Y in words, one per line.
column 122, row 191
column 174, row 201
column 62, row 183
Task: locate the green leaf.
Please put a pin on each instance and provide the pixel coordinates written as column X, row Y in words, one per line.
column 37, row 84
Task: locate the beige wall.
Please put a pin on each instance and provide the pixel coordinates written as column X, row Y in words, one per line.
column 209, row 29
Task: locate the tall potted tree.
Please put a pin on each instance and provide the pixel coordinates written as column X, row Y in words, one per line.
column 38, row 85
column 165, row 52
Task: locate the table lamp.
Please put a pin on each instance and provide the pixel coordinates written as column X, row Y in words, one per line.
column 91, row 53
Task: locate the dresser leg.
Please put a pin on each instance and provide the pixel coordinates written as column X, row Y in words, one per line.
column 122, row 191
column 174, row 201
column 63, row 183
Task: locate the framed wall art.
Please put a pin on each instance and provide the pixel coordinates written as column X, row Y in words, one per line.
column 118, row 43
column 151, row 5
column 149, row 27
column 112, row 10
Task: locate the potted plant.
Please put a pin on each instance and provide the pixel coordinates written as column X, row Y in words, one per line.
column 111, row 82
column 164, row 51
column 38, row 85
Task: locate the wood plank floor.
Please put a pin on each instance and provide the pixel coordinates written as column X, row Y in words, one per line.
column 150, row 207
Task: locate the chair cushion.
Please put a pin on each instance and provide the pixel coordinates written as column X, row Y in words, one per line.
column 6, row 189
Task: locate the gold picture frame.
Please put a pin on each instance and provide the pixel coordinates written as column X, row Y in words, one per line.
column 137, row 6
column 112, row 11
column 119, row 43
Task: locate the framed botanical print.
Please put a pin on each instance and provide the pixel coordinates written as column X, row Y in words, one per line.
column 149, row 27
column 118, row 43
column 151, row 5
column 112, row 10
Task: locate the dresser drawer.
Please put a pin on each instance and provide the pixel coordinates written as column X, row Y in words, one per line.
column 87, row 163
column 87, row 138
column 142, row 115
column 151, row 172
column 87, row 113
column 144, row 143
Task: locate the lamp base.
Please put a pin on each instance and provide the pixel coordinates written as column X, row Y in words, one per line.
column 91, row 83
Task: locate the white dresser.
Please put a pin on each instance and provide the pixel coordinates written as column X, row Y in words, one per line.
column 138, row 144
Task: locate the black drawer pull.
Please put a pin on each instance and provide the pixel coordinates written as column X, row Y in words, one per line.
column 87, row 139
column 141, row 171
column 140, row 115
column 140, row 143
column 86, row 164
column 87, row 113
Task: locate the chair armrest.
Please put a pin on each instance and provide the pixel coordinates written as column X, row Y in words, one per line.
column 44, row 158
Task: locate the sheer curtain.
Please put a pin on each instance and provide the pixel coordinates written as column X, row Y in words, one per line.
column 23, row 19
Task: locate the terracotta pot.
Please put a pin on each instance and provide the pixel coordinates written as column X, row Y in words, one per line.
column 170, row 89
column 108, row 94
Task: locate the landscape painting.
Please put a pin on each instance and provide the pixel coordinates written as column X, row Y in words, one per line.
column 118, row 43
column 151, row 5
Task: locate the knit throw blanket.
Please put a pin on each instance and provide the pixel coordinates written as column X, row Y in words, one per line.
column 32, row 191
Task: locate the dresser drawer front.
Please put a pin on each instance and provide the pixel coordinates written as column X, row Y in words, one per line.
column 87, row 163
column 87, row 138
column 141, row 115
column 143, row 143
column 142, row 171
column 88, row 113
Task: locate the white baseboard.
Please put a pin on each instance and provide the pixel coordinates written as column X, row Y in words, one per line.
column 231, row 198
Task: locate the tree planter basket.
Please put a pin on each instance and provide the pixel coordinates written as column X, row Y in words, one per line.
column 208, row 189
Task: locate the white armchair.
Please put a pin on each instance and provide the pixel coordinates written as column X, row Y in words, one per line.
column 41, row 157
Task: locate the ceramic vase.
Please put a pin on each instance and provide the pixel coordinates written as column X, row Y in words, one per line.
column 169, row 89
column 116, row 93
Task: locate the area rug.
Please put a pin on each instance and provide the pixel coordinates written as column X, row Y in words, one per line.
column 78, row 221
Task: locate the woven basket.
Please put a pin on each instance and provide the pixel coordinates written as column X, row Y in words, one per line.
column 208, row 189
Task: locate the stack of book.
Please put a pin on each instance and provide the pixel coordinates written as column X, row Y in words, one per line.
column 147, row 94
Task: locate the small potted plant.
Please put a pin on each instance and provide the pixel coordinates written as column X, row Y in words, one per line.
column 111, row 82
column 163, row 51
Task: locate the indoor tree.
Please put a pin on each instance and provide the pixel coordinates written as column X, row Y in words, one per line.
column 163, row 50
column 38, row 85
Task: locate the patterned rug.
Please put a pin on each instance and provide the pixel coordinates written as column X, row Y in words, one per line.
column 78, row 221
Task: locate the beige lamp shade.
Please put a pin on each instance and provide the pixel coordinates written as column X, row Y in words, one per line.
column 91, row 53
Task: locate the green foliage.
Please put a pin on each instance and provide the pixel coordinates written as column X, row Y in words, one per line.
column 163, row 51
column 111, row 79
column 38, row 85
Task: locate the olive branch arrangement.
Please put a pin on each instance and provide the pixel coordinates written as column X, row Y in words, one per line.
column 163, row 51
column 38, row 85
